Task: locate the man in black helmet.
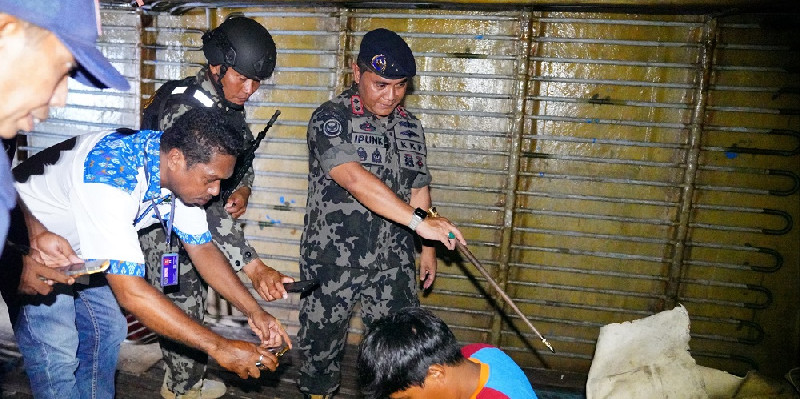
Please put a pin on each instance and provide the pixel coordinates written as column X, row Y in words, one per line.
column 368, row 192
column 240, row 54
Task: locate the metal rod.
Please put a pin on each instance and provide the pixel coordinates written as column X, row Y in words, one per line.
column 465, row 251
column 516, row 131
column 691, row 160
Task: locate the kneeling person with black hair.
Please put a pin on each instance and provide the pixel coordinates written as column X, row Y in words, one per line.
column 412, row 354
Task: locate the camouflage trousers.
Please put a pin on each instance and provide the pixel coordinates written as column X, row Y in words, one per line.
column 325, row 315
column 185, row 366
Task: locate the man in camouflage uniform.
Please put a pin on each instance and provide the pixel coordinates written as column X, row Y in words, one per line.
column 241, row 53
column 368, row 188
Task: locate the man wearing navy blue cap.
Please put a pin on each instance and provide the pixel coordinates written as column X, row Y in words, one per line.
column 50, row 40
column 368, row 192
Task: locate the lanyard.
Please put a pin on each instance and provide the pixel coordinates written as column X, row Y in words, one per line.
column 168, row 226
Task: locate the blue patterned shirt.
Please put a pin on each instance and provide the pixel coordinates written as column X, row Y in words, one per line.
column 97, row 190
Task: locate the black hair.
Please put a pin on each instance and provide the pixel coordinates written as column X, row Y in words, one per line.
column 364, row 67
column 398, row 349
column 200, row 133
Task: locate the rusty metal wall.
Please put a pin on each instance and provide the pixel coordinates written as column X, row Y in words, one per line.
column 603, row 166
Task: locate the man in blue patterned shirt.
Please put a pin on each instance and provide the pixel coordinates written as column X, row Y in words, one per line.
column 97, row 191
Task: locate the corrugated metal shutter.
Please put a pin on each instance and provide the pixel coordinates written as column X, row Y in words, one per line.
column 89, row 109
column 600, row 170
column 603, row 166
column 740, row 273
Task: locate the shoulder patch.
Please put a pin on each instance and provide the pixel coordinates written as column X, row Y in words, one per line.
column 330, row 119
column 332, row 127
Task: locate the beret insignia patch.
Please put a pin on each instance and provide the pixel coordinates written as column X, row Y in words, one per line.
column 379, row 63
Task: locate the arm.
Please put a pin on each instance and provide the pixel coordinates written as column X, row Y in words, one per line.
column 155, row 311
column 46, row 249
column 49, row 249
column 215, row 269
column 421, row 198
column 267, row 281
column 236, row 204
column 37, row 278
column 229, row 237
column 378, row 198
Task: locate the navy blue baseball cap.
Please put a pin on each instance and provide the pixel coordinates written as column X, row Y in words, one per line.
column 387, row 54
column 77, row 24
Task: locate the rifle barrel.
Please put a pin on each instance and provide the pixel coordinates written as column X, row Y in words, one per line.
column 245, row 160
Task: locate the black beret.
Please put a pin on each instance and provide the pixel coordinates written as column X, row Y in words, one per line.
column 388, row 54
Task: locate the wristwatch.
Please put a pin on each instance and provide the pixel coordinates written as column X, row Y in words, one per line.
column 416, row 218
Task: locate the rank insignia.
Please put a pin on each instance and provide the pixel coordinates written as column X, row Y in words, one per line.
column 355, row 105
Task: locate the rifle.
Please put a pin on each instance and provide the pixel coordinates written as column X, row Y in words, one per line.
column 244, row 162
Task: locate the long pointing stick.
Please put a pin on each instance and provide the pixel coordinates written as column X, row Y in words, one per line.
column 464, row 250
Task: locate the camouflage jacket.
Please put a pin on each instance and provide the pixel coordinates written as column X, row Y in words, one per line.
column 338, row 229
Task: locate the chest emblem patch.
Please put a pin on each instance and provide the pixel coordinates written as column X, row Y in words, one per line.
column 409, row 133
column 367, row 127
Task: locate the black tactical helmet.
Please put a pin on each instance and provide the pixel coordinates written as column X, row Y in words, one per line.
column 242, row 44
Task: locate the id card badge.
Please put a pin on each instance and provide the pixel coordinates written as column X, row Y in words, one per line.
column 169, row 269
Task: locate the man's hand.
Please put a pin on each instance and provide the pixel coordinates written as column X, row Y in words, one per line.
column 50, row 249
column 427, row 266
column 37, row 278
column 241, row 357
column 437, row 228
column 269, row 330
column 267, row 281
column 237, row 202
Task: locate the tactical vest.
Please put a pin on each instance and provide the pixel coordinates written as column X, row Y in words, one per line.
column 183, row 91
